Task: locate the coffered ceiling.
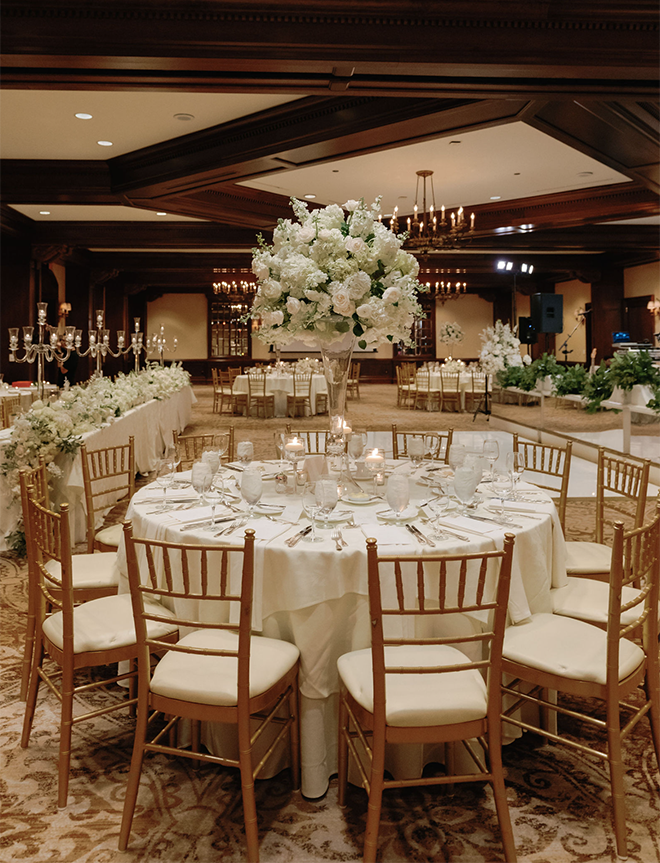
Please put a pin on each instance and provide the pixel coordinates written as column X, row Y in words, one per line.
column 541, row 118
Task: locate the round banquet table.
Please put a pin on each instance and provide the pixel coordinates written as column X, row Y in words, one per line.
column 316, row 596
column 280, row 386
column 464, row 383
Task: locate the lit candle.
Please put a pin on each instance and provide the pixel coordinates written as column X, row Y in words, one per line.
column 472, row 221
column 374, row 458
column 453, row 220
column 442, row 213
column 294, row 446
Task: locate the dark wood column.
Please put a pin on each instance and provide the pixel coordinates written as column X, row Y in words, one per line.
column 606, row 309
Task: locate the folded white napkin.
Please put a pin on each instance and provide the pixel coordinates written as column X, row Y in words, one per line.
column 470, row 525
column 198, row 513
column 520, row 506
column 314, row 467
column 388, row 534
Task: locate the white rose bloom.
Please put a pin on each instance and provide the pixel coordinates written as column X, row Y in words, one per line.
column 271, row 289
column 273, row 318
column 342, row 302
column 392, row 295
column 306, row 234
column 355, row 245
column 351, row 206
column 293, row 305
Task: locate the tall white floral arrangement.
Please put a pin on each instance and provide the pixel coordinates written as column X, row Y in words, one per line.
column 500, row 348
column 334, row 271
column 450, row 333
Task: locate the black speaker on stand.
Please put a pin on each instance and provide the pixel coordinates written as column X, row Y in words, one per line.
column 547, row 313
column 526, row 331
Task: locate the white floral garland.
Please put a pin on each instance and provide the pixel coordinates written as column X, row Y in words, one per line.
column 329, row 274
column 49, row 429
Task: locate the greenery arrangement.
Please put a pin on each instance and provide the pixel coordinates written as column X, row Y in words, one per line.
column 597, row 388
column 571, row 381
column 629, row 368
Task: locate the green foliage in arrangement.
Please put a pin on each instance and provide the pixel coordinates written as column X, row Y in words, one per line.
column 570, row 381
column 630, row 368
column 510, row 376
column 597, row 388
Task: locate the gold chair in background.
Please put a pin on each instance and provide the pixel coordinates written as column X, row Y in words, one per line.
column 108, row 473
column 8, row 406
column 299, row 402
column 440, row 443
column 353, row 386
column 548, row 461
column 190, row 447
column 258, row 398
column 450, row 395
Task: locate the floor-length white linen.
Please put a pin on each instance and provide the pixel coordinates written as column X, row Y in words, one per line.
column 151, row 425
column 316, row 597
column 280, row 386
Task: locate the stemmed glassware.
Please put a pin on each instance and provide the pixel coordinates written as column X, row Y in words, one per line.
column 326, row 498
column 356, row 445
column 491, row 454
column 164, row 478
column 201, row 478
column 515, row 463
column 466, row 479
column 502, row 488
column 432, row 447
column 456, row 456
column 416, row 451
column 311, row 508
column 397, row 493
column 251, row 488
column 245, row 451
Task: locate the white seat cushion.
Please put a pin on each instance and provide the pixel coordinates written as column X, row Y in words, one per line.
column 588, row 599
column 572, row 648
column 213, row 679
column 414, row 700
column 588, row 557
column 110, row 535
column 90, row 570
column 105, row 624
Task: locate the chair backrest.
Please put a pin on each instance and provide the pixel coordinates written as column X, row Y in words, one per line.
column 108, row 476
column 549, row 461
column 50, row 539
column 441, row 443
column 215, row 377
column 623, row 477
column 635, row 563
column 8, row 405
column 190, row 447
column 409, row 595
column 302, row 385
column 256, row 384
column 407, row 373
column 192, row 580
column 449, row 383
column 354, row 373
column 37, row 478
column 315, row 440
column 478, row 382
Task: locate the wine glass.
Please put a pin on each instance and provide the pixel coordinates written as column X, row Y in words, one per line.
column 311, row 508
column 326, row 498
column 456, row 456
column 201, row 478
column 438, row 507
column 398, row 493
column 245, row 451
column 416, row 451
column 502, row 488
column 491, row 454
column 251, row 488
column 515, row 462
column 356, row 445
column 466, row 480
column 432, row 447
column 164, row 478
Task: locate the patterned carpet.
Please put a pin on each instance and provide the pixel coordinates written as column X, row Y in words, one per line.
column 559, row 804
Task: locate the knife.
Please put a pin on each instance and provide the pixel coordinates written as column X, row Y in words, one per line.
column 418, row 536
column 426, row 539
column 495, row 521
column 233, row 467
column 298, row 536
column 206, row 522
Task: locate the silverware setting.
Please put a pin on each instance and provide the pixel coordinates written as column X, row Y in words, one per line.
column 298, row 536
column 232, row 527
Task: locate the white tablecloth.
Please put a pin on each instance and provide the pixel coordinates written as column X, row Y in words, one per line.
column 280, row 386
column 151, row 425
column 316, row 597
column 464, row 383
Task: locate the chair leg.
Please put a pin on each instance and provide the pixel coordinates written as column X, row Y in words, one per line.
column 614, row 757
column 66, row 727
column 28, row 649
column 247, row 789
column 33, row 689
column 499, row 794
column 135, row 772
column 376, row 781
column 652, row 689
column 342, row 751
column 294, row 735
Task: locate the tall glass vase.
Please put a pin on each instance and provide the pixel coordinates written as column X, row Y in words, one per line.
column 336, row 367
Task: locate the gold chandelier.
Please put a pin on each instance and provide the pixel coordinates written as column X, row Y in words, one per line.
column 444, row 291
column 233, row 288
column 427, row 233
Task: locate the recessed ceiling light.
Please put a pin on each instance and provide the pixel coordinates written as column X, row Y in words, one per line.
column 104, row 143
column 83, row 116
column 495, row 197
column 310, row 197
column 586, row 174
column 335, row 170
column 161, row 214
column 44, row 212
column 184, row 117
column 452, row 143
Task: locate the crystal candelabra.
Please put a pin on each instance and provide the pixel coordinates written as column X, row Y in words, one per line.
column 99, row 343
column 158, row 344
column 44, row 349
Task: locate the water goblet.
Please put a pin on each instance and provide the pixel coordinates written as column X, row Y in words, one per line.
column 515, row 462
column 432, row 447
column 456, row 456
column 326, row 498
column 398, row 493
column 245, row 451
column 201, row 479
column 164, row 478
column 356, row 445
column 251, row 488
column 311, row 508
column 491, row 454
column 466, row 480
column 416, row 451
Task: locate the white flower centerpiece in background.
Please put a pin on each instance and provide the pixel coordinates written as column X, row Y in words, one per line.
column 500, row 349
column 450, row 333
column 336, row 275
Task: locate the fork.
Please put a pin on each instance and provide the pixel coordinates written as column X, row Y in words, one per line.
column 235, row 526
column 337, row 538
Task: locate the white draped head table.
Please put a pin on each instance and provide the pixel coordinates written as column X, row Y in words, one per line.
column 280, row 386
column 316, row 597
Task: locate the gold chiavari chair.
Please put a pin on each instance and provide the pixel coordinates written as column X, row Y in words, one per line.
column 299, row 403
column 418, row 685
column 108, row 473
column 548, row 460
column 191, row 446
column 440, row 443
column 217, row 672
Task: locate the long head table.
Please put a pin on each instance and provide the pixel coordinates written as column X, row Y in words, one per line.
column 316, row 596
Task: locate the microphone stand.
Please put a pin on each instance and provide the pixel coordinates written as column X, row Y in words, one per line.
column 483, row 401
column 564, row 348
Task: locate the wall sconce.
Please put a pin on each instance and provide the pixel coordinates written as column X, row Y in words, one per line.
column 64, row 309
column 654, row 307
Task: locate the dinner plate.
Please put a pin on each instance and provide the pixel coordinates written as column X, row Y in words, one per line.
column 360, row 499
column 270, row 508
column 335, row 517
column 408, row 513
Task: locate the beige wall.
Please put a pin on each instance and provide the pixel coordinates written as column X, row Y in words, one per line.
column 472, row 314
column 576, row 295
column 640, row 281
column 185, row 317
